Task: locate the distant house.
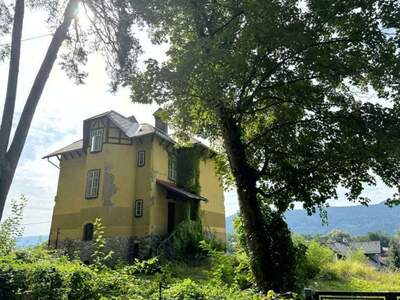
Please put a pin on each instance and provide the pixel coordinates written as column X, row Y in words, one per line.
column 133, row 177
column 371, row 249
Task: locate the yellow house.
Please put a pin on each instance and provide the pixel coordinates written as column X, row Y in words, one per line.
column 133, row 177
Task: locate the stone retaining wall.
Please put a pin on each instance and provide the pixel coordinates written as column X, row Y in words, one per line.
column 124, row 248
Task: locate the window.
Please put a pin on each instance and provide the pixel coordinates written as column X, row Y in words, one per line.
column 92, row 183
column 96, row 140
column 88, row 232
column 141, row 158
column 138, row 208
column 172, row 167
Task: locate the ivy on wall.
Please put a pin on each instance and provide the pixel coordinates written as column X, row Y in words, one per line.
column 188, row 168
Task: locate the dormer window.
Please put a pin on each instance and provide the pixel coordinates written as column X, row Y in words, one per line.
column 96, row 140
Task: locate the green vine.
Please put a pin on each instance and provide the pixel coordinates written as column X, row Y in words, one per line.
column 188, row 168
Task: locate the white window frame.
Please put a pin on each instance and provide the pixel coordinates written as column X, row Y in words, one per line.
column 172, row 167
column 96, row 140
column 139, row 208
column 92, row 184
column 141, row 158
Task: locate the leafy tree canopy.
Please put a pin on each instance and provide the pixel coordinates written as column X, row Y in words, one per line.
column 311, row 86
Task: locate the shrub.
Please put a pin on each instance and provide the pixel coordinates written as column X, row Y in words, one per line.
column 185, row 290
column 82, row 285
column 47, row 282
column 394, row 253
column 11, row 229
column 145, row 267
column 317, row 256
column 100, row 257
column 13, row 281
column 230, row 269
column 185, row 242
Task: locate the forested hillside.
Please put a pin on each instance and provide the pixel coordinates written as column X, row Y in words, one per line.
column 356, row 220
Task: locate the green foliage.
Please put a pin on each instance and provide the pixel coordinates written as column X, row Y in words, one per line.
column 11, row 228
column 315, row 260
column 394, row 253
column 354, row 275
column 146, row 267
column 188, row 168
column 383, row 237
column 189, row 289
column 47, row 283
column 285, row 87
column 185, row 242
column 358, row 256
column 240, row 234
column 231, row 270
column 290, row 79
column 338, row 235
column 185, row 290
column 100, row 257
column 283, row 255
column 271, row 295
column 82, row 285
column 46, row 275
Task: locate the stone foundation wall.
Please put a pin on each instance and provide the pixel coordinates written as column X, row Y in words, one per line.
column 124, row 248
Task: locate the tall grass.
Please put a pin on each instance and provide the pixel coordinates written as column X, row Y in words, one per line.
column 356, row 274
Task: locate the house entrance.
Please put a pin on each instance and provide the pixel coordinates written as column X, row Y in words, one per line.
column 171, row 217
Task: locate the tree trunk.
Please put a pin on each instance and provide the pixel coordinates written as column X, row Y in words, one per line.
column 10, row 160
column 267, row 235
column 12, row 82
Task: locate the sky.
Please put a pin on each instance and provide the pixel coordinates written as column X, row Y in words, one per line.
column 58, row 122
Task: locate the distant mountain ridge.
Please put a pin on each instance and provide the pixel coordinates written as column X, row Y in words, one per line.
column 31, row 241
column 356, row 220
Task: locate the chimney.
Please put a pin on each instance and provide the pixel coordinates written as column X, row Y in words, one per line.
column 160, row 124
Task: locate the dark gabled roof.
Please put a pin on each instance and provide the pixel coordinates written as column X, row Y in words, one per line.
column 173, row 188
column 127, row 125
column 370, row 247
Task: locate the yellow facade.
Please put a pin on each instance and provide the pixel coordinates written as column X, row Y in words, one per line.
column 122, row 181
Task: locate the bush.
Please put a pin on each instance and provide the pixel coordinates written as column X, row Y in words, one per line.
column 47, row 282
column 13, row 282
column 185, row 242
column 317, row 257
column 40, row 274
column 185, row 290
column 11, row 229
column 145, row 267
column 82, row 285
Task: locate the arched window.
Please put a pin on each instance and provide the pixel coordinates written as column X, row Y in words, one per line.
column 88, row 232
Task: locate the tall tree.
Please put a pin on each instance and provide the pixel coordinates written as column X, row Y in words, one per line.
column 108, row 31
column 282, row 85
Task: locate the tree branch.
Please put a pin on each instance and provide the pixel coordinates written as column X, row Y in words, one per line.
column 227, row 23
column 248, row 100
column 12, row 81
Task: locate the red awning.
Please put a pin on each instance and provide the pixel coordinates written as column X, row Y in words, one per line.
column 173, row 188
